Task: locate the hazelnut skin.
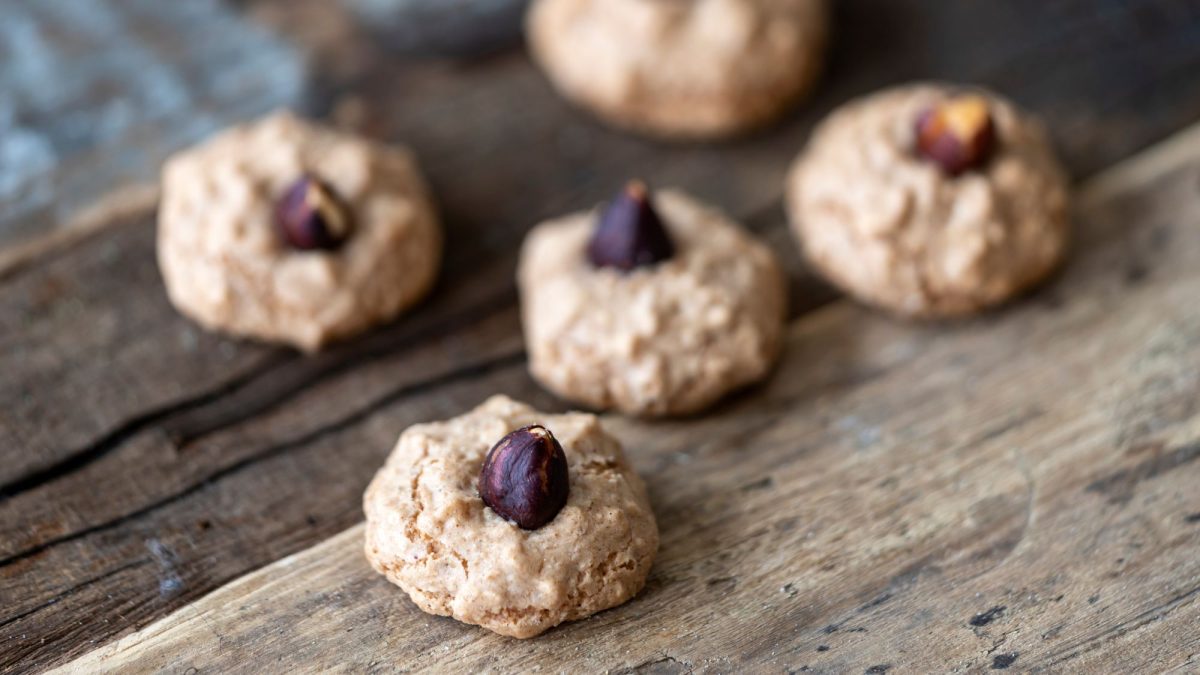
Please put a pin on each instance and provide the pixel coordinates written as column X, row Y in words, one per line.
column 524, row 477
column 629, row 233
column 312, row 216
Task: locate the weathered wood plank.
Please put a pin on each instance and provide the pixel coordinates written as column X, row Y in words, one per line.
column 1012, row 491
column 137, row 451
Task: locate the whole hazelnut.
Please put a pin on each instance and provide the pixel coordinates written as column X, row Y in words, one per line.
column 629, row 233
column 524, row 477
column 957, row 134
column 310, row 215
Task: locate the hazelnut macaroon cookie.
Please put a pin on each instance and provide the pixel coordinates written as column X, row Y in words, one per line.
column 930, row 200
column 680, row 68
column 288, row 231
column 653, row 305
column 511, row 519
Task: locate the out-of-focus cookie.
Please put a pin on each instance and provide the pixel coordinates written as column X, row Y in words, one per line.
column 651, row 316
column 288, row 231
column 549, row 525
column 930, row 200
column 694, row 69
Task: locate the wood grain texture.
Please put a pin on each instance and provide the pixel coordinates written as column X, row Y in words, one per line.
column 1015, row 491
column 147, row 463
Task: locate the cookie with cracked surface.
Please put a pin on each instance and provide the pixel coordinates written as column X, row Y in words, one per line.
column 289, row 231
column 698, row 69
column 663, row 317
column 930, row 200
column 429, row 532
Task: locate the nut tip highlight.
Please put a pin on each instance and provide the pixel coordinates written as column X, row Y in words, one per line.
column 957, row 134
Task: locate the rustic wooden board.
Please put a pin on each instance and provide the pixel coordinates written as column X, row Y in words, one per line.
column 146, row 463
column 1012, row 491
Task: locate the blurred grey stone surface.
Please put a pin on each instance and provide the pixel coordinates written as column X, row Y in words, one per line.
column 95, row 94
column 443, row 27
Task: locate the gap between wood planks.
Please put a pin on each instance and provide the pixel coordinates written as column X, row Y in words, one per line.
column 114, row 207
column 204, row 619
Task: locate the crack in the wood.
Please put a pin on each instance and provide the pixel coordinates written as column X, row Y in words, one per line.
column 379, row 347
column 84, row 584
column 317, row 369
column 475, row 370
column 115, row 438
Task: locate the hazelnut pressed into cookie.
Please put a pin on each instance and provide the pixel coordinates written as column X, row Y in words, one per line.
column 929, row 200
column 655, row 305
column 288, row 231
column 701, row 68
column 511, row 519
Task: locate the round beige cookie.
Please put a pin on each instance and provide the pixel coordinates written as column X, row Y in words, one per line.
column 894, row 230
column 699, row 68
column 430, row 533
column 226, row 265
column 668, row 339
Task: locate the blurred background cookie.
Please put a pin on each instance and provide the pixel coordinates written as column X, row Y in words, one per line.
column 699, row 69
column 289, row 231
column 930, row 200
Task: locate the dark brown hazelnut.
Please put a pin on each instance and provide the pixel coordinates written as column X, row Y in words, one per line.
column 629, row 233
column 524, row 477
column 957, row 134
column 310, row 215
